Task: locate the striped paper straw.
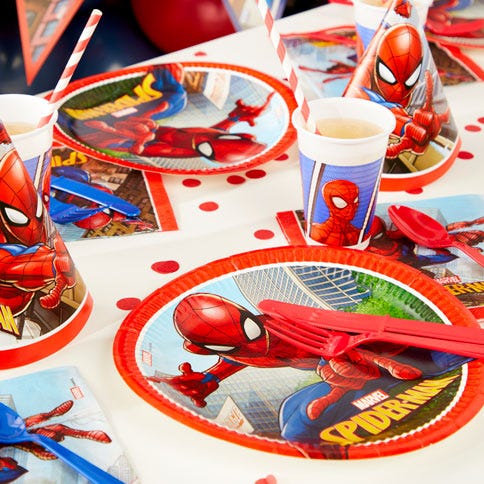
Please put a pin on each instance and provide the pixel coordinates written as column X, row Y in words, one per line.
column 286, row 63
column 60, row 88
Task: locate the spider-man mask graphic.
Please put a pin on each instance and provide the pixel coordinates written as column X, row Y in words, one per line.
column 21, row 210
column 211, row 324
column 341, row 197
column 398, row 63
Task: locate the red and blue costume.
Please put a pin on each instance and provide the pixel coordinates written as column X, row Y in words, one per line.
column 36, row 424
column 341, row 198
column 390, row 78
column 85, row 214
column 32, row 255
column 213, row 325
column 141, row 135
column 393, row 244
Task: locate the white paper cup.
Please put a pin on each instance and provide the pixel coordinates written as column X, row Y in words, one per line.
column 368, row 15
column 34, row 146
column 341, row 176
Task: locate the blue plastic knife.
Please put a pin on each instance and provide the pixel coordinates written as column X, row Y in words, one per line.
column 92, row 194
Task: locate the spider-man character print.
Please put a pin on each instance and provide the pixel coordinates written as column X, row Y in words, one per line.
column 341, row 198
column 33, row 257
column 393, row 70
column 37, row 424
column 142, row 135
column 10, row 470
column 210, row 324
column 390, row 242
column 213, row 325
column 83, row 213
column 465, row 231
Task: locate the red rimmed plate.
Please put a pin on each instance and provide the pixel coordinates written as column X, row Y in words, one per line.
column 197, row 350
column 186, row 118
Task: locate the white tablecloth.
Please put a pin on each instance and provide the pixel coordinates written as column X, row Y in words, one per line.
column 166, row 451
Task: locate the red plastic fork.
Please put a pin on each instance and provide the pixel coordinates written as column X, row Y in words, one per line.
column 325, row 332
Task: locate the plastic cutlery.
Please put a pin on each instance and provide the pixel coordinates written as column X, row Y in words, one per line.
column 428, row 232
column 14, row 431
column 93, row 194
column 325, row 332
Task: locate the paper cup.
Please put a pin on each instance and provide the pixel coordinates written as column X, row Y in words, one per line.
column 368, row 15
column 341, row 176
column 22, row 112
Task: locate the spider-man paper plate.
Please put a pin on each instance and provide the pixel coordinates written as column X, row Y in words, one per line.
column 189, row 117
column 198, row 350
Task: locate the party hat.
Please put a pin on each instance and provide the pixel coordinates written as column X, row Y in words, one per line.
column 398, row 71
column 43, row 301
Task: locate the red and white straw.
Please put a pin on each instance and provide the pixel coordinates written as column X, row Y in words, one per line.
column 72, row 63
column 286, row 62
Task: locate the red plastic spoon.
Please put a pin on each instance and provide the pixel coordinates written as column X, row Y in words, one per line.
column 426, row 231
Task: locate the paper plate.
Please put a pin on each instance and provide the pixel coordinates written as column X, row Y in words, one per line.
column 199, row 118
column 248, row 387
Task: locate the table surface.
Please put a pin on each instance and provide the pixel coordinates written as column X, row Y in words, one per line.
column 161, row 448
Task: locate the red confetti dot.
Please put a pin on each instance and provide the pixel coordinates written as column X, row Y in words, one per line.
column 465, row 155
column 480, row 120
column 235, row 179
column 472, row 128
column 165, row 266
column 415, row 191
column 200, row 53
column 128, row 303
column 256, row 174
column 270, row 479
column 191, row 182
column 208, row 206
column 263, row 234
column 283, row 157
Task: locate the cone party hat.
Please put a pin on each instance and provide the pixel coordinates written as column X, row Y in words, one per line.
column 397, row 70
column 43, row 301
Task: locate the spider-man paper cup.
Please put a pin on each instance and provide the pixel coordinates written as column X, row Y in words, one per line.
column 341, row 168
column 21, row 114
column 368, row 15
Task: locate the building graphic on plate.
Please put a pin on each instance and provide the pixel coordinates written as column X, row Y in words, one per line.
column 314, row 286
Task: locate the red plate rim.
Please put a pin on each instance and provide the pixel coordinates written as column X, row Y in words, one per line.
column 283, row 144
column 469, row 403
